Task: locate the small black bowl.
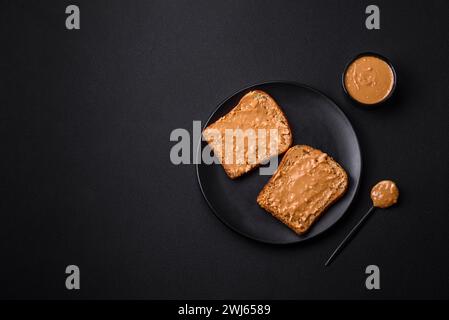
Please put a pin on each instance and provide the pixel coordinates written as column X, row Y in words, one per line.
column 370, row 54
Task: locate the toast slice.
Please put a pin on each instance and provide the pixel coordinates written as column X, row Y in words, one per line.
column 258, row 124
column 306, row 183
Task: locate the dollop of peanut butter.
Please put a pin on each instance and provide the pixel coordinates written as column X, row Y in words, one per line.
column 384, row 194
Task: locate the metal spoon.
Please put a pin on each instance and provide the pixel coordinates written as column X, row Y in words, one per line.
column 384, row 194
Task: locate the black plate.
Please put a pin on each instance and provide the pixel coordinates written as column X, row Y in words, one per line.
column 316, row 121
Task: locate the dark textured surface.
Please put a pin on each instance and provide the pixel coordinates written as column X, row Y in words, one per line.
column 85, row 171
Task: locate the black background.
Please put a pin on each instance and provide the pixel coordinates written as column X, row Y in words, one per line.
column 86, row 177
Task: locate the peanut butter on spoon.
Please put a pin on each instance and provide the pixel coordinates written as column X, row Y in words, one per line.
column 384, row 194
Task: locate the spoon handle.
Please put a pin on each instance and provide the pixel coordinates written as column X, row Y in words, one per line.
column 349, row 236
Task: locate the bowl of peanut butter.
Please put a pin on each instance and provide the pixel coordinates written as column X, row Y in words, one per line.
column 369, row 79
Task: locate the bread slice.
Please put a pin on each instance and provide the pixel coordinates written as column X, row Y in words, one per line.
column 255, row 115
column 306, row 183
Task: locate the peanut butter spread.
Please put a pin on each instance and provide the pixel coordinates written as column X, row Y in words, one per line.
column 369, row 79
column 384, row 194
column 305, row 184
column 255, row 130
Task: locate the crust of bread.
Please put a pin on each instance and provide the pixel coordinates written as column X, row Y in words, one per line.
column 256, row 110
column 306, row 183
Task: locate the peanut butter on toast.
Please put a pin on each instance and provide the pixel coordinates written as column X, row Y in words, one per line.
column 259, row 123
column 306, row 183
